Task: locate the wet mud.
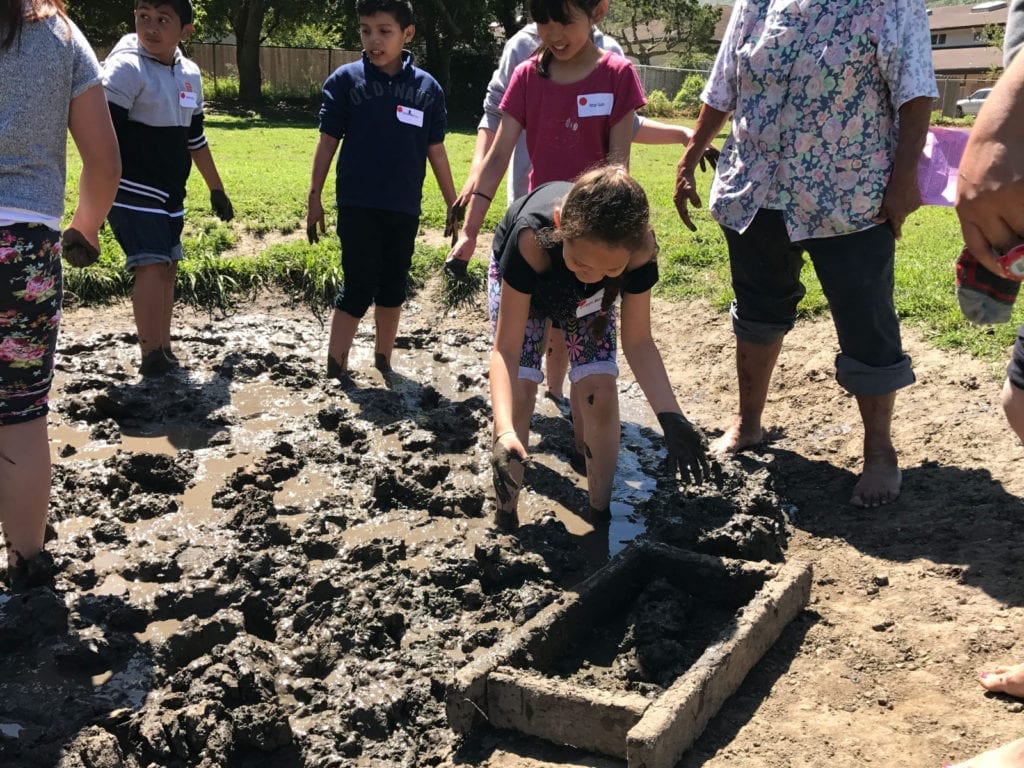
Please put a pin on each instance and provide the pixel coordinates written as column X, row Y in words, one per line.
column 259, row 566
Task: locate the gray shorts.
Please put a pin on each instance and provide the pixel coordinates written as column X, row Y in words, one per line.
column 147, row 237
column 856, row 275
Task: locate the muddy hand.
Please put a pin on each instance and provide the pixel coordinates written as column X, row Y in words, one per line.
column 453, row 221
column 687, row 448
column 501, row 466
column 710, row 157
column 77, row 251
column 221, row 205
column 456, row 269
column 458, row 257
column 685, row 194
column 315, row 224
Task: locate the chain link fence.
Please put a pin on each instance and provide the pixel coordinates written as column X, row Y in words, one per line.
column 668, row 80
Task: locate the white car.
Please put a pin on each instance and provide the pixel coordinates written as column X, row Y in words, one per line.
column 972, row 103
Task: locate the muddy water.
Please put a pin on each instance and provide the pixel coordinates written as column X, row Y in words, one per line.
column 263, row 567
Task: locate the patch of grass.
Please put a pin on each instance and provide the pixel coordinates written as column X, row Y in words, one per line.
column 98, row 284
column 427, row 261
column 460, row 293
column 265, row 159
column 696, row 264
column 207, row 280
column 226, row 88
column 309, row 273
column 966, row 121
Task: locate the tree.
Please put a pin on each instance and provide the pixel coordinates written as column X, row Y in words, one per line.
column 508, row 14
column 994, row 35
column 442, row 27
column 650, row 28
column 102, row 21
column 251, row 22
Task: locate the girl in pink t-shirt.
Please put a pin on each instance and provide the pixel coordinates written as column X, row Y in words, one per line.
column 575, row 101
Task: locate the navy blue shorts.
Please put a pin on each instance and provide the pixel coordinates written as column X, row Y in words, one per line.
column 147, row 237
column 376, row 253
column 31, row 292
column 856, row 275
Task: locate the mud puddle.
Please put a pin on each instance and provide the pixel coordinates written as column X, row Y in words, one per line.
column 263, row 567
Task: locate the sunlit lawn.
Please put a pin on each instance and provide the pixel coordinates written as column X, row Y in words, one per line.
column 265, row 164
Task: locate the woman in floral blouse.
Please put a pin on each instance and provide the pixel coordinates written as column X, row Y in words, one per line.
column 830, row 101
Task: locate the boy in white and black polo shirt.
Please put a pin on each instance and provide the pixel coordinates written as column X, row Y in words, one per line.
column 155, row 97
column 392, row 118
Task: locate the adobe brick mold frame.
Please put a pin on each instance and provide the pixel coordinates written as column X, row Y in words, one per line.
column 507, row 686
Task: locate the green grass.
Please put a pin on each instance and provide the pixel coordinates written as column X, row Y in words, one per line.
column 264, row 160
column 695, row 264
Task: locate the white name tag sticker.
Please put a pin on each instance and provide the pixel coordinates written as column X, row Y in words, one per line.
column 187, row 99
column 595, row 104
column 590, row 305
column 409, row 116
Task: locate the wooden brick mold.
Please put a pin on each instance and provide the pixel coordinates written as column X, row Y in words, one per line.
column 509, row 688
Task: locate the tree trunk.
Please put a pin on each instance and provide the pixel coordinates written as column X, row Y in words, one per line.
column 438, row 61
column 248, row 26
column 438, row 28
column 507, row 14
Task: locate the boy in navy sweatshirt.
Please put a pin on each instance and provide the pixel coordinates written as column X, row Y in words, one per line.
column 390, row 118
column 155, row 97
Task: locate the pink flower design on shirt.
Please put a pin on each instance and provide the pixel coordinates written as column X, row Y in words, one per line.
column 831, row 130
column 827, row 78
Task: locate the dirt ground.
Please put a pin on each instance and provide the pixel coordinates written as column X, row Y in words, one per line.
column 261, row 567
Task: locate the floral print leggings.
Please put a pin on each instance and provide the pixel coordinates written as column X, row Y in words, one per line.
column 31, row 291
column 587, row 355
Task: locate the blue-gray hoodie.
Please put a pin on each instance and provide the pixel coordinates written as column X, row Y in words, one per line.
column 157, row 111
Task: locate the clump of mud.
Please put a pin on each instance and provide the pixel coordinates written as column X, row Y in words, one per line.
column 743, row 518
column 258, row 566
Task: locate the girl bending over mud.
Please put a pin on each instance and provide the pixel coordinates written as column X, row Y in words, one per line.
column 566, row 252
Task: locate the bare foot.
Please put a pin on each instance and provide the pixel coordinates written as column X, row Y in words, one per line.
column 1007, row 756
column 879, row 483
column 736, row 438
column 1008, row 680
column 338, row 371
column 381, row 363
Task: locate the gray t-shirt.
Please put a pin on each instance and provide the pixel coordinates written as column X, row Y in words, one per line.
column 1014, row 31
column 39, row 76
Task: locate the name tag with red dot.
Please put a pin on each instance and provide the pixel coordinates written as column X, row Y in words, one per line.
column 590, row 305
column 409, row 116
column 187, row 99
column 595, row 104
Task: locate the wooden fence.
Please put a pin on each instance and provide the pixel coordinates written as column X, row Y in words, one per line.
column 303, row 71
column 952, row 89
column 292, row 70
